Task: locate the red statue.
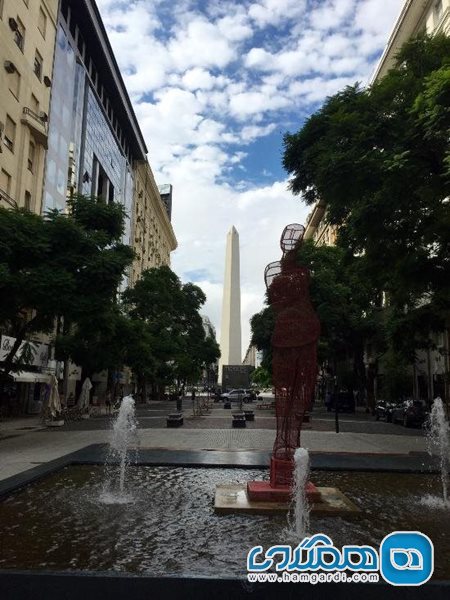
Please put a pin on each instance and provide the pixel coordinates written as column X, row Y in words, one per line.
column 294, row 363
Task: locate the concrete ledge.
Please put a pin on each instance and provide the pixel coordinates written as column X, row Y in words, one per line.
column 95, row 454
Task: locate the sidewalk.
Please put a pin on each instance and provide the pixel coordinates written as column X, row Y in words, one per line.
column 21, row 452
column 18, row 425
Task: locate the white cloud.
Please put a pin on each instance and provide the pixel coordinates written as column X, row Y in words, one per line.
column 235, row 28
column 332, row 14
column 254, row 103
column 272, row 12
column 252, row 132
column 209, row 80
column 187, row 49
column 201, row 79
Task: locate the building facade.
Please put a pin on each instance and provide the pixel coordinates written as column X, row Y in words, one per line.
column 94, row 137
column 253, row 357
column 209, row 375
column 27, row 41
column 67, row 126
column 432, row 366
column 417, row 16
column 153, row 238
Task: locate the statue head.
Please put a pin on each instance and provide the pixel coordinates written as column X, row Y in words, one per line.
column 291, row 237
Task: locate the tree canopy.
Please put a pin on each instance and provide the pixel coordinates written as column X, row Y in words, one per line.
column 176, row 346
column 344, row 302
column 64, row 267
column 379, row 158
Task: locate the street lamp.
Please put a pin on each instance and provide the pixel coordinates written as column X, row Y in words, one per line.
column 336, row 405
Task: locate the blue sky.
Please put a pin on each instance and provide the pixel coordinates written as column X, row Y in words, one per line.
column 215, row 84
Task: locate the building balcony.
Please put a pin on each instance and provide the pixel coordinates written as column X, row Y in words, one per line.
column 6, row 199
column 37, row 124
column 443, row 26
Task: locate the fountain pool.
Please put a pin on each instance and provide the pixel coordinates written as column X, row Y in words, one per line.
column 170, row 528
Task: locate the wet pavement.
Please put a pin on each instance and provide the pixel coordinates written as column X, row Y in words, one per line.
column 153, row 416
column 26, row 442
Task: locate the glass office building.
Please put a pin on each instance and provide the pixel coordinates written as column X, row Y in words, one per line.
column 93, row 133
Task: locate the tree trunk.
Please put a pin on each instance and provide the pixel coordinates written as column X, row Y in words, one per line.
column 371, row 374
column 359, row 370
column 9, row 360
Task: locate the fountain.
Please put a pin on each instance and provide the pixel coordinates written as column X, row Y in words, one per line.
column 299, row 517
column 123, row 437
column 171, row 530
column 438, row 438
column 294, row 370
column 147, row 533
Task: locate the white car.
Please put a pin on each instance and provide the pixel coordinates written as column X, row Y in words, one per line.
column 237, row 394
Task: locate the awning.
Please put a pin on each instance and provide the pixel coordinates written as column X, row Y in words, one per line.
column 30, row 377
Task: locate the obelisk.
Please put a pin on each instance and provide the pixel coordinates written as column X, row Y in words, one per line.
column 230, row 332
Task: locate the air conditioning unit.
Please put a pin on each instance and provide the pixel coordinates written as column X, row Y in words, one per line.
column 13, row 24
column 10, row 67
column 47, row 81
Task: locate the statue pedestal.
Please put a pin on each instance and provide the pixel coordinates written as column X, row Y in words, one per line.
column 233, row 498
column 262, row 491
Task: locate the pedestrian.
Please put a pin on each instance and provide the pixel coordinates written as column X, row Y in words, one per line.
column 108, row 403
column 180, row 401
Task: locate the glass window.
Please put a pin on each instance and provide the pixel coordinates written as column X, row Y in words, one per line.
column 14, row 83
column 437, row 11
column 19, row 34
column 1, row 9
column 51, row 172
column 27, row 200
column 66, row 116
column 72, row 24
column 61, row 182
column 5, row 181
column 80, row 44
column 49, row 201
column 31, row 155
column 38, row 61
column 42, row 22
column 10, row 133
column 34, row 104
column 65, row 9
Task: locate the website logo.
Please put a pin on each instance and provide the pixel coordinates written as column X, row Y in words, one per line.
column 406, row 558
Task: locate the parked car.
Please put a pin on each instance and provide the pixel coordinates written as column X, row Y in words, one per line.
column 238, row 394
column 383, row 410
column 409, row 412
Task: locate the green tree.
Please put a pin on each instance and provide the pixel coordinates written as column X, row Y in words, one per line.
column 261, row 377
column 63, row 267
column 177, row 346
column 379, row 159
column 262, row 325
column 343, row 298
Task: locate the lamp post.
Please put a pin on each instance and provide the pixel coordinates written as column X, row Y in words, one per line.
column 336, row 405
